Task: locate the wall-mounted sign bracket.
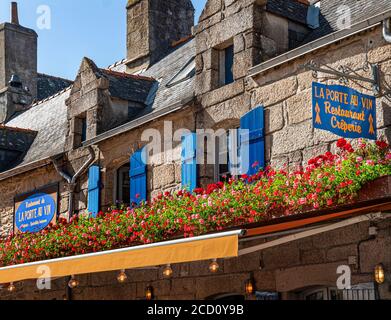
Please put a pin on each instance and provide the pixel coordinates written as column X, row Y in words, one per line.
column 345, row 73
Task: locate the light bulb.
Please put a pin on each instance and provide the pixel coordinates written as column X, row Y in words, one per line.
column 167, row 272
column 73, row 283
column 149, row 293
column 214, row 266
column 122, row 277
column 249, row 287
column 379, row 274
column 11, row 287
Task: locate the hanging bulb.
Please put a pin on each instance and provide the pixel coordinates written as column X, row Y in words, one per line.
column 379, row 274
column 73, row 283
column 249, row 287
column 214, row 266
column 122, row 277
column 167, row 272
column 11, row 287
column 149, row 293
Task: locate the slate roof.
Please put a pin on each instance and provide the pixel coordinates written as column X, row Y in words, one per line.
column 295, row 11
column 291, row 9
column 49, row 117
column 164, row 71
column 16, row 139
column 49, row 120
column 128, row 87
column 49, row 85
column 360, row 11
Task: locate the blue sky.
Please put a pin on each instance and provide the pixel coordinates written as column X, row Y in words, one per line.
column 92, row 28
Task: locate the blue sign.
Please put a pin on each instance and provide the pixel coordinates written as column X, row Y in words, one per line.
column 35, row 213
column 344, row 111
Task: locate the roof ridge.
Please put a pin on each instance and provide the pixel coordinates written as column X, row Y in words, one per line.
column 51, row 97
column 2, row 126
column 55, row 77
column 181, row 41
column 128, row 75
column 117, row 63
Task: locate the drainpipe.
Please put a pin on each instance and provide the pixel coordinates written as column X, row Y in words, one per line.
column 387, row 30
column 72, row 180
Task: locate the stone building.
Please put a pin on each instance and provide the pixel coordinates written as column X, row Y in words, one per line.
column 243, row 58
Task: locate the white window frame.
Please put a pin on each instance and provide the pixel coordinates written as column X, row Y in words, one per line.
column 231, row 152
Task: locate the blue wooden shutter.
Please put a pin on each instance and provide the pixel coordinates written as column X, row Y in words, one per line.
column 252, row 142
column 138, row 176
column 229, row 63
column 94, row 190
column 189, row 161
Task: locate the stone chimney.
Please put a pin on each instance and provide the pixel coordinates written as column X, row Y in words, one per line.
column 18, row 68
column 14, row 13
column 152, row 26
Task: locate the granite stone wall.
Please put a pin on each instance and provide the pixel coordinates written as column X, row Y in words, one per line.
column 164, row 167
column 286, row 94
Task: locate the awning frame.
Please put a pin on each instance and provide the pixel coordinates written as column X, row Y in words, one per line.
column 27, row 271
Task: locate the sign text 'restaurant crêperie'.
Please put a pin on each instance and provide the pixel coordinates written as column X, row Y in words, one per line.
column 344, row 111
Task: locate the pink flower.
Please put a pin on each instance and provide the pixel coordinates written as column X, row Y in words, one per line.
column 370, row 163
column 359, row 159
column 302, row 201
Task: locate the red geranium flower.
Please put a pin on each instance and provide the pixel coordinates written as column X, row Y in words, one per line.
column 341, row 143
column 198, row 191
column 382, row 144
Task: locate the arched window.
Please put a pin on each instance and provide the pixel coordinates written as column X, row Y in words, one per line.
column 123, row 184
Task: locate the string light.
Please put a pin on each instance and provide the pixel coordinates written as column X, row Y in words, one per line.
column 11, row 287
column 379, row 274
column 149, row 293
column 167, row 272
column 73, row 283
column 122, row 277
column 214, row 266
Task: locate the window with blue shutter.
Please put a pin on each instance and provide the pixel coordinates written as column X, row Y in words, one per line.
column 227, row 156
column 189, row 161
column 138, row 176
column 252, row 141
column 229, row 63
column 93, row 190
column 234, row 152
